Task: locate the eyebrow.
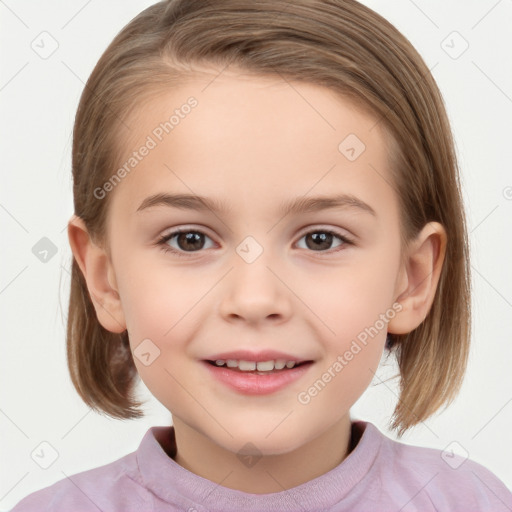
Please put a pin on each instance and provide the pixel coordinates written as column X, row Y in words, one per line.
column 295, row 206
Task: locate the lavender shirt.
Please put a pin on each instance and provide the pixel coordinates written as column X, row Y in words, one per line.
column 379, row 475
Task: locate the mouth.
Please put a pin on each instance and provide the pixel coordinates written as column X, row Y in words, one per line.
column 257, row 377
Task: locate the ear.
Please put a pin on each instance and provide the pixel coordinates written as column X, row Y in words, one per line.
column 419, row 278
column 98, row 272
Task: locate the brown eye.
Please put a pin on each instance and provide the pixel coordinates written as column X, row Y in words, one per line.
column 321, row 241
column 184, row 241
column 181, row 242
column 191, row 241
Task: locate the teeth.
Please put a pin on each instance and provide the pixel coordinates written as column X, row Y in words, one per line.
column 261, row 366
column 247, row 366
column 265, row 366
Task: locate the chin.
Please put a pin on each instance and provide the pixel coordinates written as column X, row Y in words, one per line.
column 257, row 438
column 260, row 447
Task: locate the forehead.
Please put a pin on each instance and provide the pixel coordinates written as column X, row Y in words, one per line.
column 236, row 136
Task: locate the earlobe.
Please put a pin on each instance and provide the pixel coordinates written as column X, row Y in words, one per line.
column 421, row 272
column 99, row 275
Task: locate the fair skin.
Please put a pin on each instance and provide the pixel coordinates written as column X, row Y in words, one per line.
column 253, row 143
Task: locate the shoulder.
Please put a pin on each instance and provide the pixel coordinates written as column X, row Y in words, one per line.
column 448, row 480
column 91, row 490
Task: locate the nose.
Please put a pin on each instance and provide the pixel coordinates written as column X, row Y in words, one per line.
column 254, row 292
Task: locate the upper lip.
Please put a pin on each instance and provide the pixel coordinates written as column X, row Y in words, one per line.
column 260, row 356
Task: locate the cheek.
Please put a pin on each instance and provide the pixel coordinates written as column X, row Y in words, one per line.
column 357, row 315
column 342, row 382
column 351, row 298
column 155, row 298
column 162, row 304
column 159, row 329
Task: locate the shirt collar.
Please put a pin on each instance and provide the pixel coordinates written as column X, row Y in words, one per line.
column 176, row 485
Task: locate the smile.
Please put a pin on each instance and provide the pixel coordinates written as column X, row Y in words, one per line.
column 257, row 378
column 261, row 366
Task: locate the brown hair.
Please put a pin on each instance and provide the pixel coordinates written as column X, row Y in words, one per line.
column 340, row 44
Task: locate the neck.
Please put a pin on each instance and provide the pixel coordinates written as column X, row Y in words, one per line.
column 271, row 473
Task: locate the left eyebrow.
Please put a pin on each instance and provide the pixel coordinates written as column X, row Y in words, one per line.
column 318, row 203
column 295, row 206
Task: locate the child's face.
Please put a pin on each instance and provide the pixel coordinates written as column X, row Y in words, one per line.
column 254, row 144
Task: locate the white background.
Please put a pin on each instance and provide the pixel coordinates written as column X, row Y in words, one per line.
column 38, row 100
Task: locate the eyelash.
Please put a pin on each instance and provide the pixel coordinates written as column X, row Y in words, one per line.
column 162, row 241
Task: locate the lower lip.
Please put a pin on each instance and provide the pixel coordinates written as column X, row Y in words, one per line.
column 255, row 384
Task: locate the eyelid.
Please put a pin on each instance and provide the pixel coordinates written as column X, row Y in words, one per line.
column 172, row 232
column 185, row 228
column 342, row 232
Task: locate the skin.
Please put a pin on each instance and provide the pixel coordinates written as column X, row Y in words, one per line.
column 254, row 142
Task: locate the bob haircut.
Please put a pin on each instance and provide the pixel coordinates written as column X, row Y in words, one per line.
column 339, row 44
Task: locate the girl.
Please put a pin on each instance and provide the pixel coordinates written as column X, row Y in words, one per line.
column 267, row 201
